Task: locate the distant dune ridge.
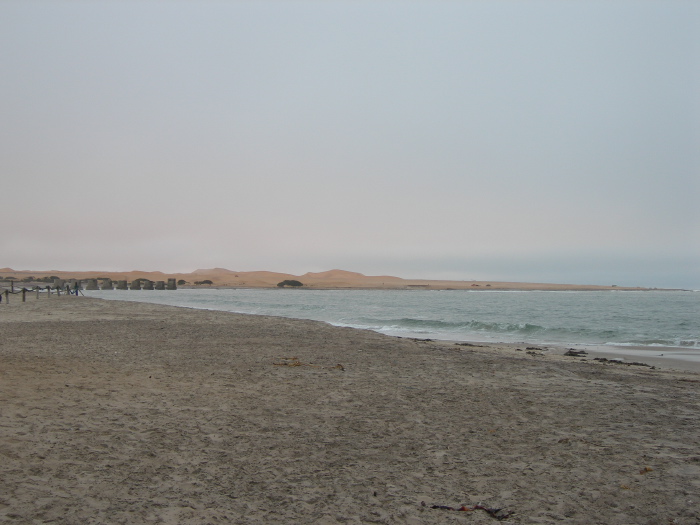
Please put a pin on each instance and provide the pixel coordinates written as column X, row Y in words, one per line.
column 331, row 279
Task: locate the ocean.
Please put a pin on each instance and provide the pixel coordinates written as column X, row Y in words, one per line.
column 639, row 321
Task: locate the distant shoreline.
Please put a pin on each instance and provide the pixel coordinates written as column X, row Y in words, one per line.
column 330, row 280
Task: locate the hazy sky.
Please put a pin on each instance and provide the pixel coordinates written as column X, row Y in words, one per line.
column 552, row 141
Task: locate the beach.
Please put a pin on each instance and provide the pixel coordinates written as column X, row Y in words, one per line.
column 122, row 412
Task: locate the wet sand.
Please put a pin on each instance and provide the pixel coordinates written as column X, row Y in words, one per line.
column 116, row 412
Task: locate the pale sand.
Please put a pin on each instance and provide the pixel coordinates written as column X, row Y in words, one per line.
column 115, row 412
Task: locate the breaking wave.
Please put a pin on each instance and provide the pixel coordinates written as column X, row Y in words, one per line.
column 517, row 332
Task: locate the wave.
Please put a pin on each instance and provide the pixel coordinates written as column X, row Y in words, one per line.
column 674, row 343
column 513, row 332
column 432, row 326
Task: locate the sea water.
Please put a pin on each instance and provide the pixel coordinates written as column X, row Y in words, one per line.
column 640, row 319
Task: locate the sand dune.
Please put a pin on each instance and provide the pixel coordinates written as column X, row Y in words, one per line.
column 329, row 279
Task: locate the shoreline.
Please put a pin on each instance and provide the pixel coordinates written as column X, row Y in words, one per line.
column 496, row 287
column 638, row 356
column 328, row 280
column 116, row 411
column 666, row 357
column 672, row 357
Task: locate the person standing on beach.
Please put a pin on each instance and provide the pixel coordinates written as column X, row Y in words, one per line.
column 76, row 287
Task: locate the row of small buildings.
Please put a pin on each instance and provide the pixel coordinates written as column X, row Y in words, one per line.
column 109, row 284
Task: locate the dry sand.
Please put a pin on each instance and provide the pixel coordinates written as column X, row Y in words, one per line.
column 115, row 412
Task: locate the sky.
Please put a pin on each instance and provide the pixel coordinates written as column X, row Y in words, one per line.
column 536, row 141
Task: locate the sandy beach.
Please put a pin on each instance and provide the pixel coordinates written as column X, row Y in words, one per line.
column 118, row 412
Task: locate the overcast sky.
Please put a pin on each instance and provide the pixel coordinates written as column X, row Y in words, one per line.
column 551, row 141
